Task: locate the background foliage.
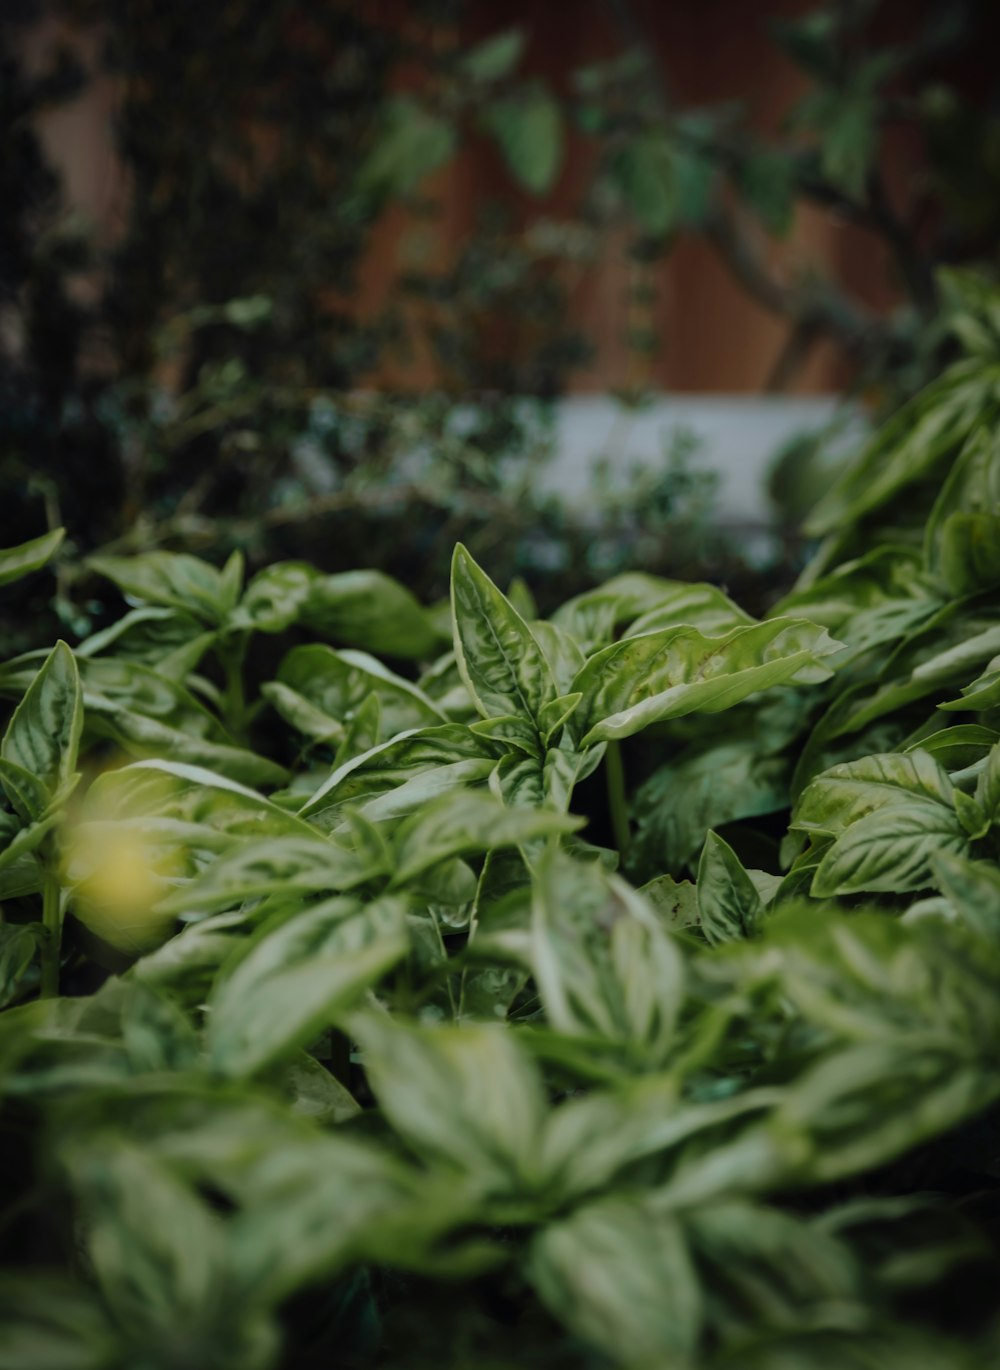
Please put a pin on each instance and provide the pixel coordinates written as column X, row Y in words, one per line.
column 203, row 380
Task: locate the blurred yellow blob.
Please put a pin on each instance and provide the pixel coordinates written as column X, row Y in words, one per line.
column 117, row 874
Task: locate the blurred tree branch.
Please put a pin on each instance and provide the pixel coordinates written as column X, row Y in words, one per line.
column 814, row 308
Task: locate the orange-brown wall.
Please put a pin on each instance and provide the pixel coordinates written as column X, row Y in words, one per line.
column 712, row 336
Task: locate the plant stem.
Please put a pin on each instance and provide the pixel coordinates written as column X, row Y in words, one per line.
column 52, row 921
column 234, row 700
column 614, row 774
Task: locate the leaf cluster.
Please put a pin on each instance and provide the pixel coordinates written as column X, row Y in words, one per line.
column 619, row 988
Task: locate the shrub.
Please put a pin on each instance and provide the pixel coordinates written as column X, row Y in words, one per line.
column 408, row 986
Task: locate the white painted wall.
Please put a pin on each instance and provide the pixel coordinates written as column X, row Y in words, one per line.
column 739, row 439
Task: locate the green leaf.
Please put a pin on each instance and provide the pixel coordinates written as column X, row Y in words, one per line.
column 847, row 125
column 546, row 782
column 500, row 660
column 159, row 1254
column 700, row 606
column 169, row 641
column 620, row 1275
column 675, row 901
column 988, row 786
column 412, row 142
column 318, row 1205
column 844, row 794
column 696, row 177
column 192, row 792
column 512, row 731
column 561, row 651
column 973, row 888
column 704, row 788
column 20, row 875
column 466, row 1096
column 23, row 841
column 291, row 866
column 875, row 599
column 53, row 1323
column 362, row 731
column 231, row 579
column 970, row 552
column 339, row 683
column 774, row 1269
column 28, row 794
column 889, row 814
column 520, row 595
column 767, row 180
column 494, row 58
column 911, row 446
column 156, row 1246
column 172, row 579
column 591, row 1138
column 316, row 1094
column 132, row 685
column 962, row 536
column 187, row 964
column 593, row 617
column 300, row 714
column 872, row 1102
column 982, row 694
column 430, row 783
column 603, row 965
column 43, row 737
column 468, row 821
column 369, row 610
column 297, row 977
column 644, row 171
column 367, row 840
column 519, row 779
column 157, row 1033
column 556, row 714
column 974, row 821
column 932, row 659
column 729, row 905
column 149, row 715
column 275, row 597
column 907, row 1242
column 18, row 947
column 962, row 747
column 889, row 850
column 392, row 764
column 19, row 561
column 866, row 978
column 676, row 671
column 527, row 126
column 144, row 737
